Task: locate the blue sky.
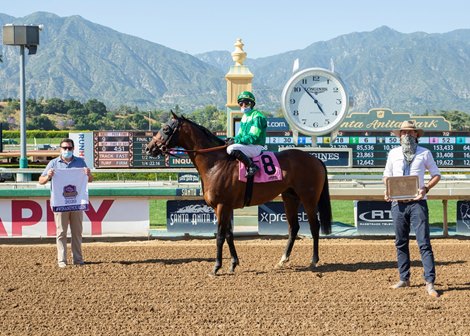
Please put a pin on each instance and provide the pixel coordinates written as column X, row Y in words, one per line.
column 266, row 27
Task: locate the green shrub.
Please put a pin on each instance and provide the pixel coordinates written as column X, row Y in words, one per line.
column 39, row 134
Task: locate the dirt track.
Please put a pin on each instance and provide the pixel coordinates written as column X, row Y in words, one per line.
column 162, row 287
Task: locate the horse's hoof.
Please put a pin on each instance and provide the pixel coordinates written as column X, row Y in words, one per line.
column 232, row 268
column 279, row 265
column 282, row 263
column 215, row 270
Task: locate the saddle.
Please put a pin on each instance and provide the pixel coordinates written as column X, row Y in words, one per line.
column 269, row 169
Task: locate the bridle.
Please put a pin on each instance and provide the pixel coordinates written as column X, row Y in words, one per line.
column 169, row 132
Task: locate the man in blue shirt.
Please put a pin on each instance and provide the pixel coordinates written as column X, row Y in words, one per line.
column 72, row 218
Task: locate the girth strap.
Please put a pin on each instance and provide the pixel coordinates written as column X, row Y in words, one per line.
column 249, row 190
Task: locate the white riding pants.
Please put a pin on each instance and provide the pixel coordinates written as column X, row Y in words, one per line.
column 248, row 150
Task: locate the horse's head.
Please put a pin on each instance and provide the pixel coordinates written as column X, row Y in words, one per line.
column 165, row 138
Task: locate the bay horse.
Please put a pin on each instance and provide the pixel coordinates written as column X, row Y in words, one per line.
column 304, row 180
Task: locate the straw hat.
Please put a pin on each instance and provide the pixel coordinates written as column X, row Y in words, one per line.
column 408, row 125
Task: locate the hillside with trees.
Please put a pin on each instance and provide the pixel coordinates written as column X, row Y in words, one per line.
column 57, row 114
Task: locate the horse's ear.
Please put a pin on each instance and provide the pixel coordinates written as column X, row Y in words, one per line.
column 173, row 114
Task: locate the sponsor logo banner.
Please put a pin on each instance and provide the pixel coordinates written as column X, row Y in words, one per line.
column 105, row 218
column 374, row 217
column 272, row 220
column 190, row 217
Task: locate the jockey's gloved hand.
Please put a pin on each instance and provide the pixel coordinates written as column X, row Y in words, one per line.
column 229, row 141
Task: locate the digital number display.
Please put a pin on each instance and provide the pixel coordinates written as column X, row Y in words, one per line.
column 449, row 149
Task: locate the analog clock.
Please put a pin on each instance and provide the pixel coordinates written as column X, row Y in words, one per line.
column 315, row 101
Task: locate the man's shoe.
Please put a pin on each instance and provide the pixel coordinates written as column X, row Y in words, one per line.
column 430, row 289
column 401, row 284
column 62, row 264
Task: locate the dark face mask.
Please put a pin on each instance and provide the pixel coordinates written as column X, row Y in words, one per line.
column 409, row 145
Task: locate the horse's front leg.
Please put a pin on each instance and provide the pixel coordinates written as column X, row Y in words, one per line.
column 220, row 239
column 224, row 231
column 231, row 246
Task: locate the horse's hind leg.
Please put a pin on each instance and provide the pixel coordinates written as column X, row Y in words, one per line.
column 291, row 206
column 315, row 230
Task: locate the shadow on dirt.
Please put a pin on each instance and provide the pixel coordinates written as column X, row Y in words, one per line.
column 366, row 266
column 164, row 261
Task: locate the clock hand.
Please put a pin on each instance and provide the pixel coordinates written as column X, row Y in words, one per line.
column 314, row 99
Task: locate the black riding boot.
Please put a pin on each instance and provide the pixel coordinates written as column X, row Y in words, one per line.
column 251, row 168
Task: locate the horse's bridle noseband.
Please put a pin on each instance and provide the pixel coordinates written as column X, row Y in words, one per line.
column 167, row 133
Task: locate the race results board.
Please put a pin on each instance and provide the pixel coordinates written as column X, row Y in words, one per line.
column 449, row 149
column 126, row 149
column 370, row 149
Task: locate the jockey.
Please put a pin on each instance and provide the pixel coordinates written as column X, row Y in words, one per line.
column 251, row 136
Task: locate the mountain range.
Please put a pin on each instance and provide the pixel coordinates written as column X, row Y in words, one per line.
column 82, row 60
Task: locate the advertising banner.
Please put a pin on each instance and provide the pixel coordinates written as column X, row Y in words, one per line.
column 272, row 220
column 374, row 217
column 105, row 218
column 191, row 217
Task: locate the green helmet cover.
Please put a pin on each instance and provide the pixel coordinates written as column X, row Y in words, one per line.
column 248, row 96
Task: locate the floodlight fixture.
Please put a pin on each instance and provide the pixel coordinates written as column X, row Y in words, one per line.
column 24, row 36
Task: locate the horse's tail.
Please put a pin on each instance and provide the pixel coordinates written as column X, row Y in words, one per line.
column 324, row 206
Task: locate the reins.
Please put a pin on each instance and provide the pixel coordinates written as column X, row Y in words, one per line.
column 205, row 150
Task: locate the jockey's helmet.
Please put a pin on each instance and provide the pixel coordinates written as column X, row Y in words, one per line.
column 247, row 95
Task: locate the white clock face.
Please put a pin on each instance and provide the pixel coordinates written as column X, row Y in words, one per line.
column 315, row 101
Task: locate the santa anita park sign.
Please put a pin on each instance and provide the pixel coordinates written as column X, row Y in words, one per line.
column 382, row 119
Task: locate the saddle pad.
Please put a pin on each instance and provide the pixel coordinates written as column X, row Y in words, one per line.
column 269, row 169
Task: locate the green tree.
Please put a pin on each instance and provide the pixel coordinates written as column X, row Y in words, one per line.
column 459, row 121
column 77, row 113
column 139, row 121
column 95, row 106
column 41, row 123
column 13, row 105
column 72, row 104
column 122, row 124
column 210, row 117
column 33, row 108
column 54, row 106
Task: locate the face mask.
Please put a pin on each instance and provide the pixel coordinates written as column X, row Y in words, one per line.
column 409, row 145
column 67, row 154
column 245, row 109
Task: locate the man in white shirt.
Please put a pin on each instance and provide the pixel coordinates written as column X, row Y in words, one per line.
column 411, row 159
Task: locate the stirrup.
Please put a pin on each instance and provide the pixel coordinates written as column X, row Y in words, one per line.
column 251, row 170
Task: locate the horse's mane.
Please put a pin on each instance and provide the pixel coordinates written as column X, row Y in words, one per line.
column 211, row 136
